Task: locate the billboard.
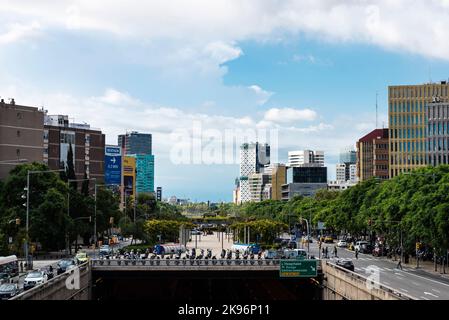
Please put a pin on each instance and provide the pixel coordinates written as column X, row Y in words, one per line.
column 113, row 165
column 129, row 175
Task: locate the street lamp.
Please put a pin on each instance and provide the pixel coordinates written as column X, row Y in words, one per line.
column 308, row 234
column 95, row 210
column 68, row 204
column 27, row 189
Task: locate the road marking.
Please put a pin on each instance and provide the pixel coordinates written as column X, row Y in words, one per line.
column 437, row 291
column 444, row 284
column 398, row 274
column 424, row 298
column 415, row 283
column 358, row 269
column 403, row 290
column 387, row 283
column 430, row 294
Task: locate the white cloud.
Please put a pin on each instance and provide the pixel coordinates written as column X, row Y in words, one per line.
column 18, row 31
column 263, row 95
column 288, row 115
column 399, row 25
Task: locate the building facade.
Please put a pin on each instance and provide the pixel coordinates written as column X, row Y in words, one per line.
column 88, row 146
column 437, row 133
column 408, row 124
column 253, row 158
column 278, row 179
column 257, row 183
column 292, row 190
column 136, row 143
column 144, row 173
column 373, row 155
column 21, row 136
column 305, row 157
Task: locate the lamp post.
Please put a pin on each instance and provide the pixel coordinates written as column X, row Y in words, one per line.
column 95, row 210
column 68, row 204
column 308, row 235
column 27, row 224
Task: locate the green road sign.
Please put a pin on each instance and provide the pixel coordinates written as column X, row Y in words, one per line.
column 298, row 268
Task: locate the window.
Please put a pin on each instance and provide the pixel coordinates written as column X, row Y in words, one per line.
column 18, row 152
column 18, row 133
column 19, row 115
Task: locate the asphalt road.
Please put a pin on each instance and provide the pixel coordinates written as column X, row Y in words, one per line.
column 416, row 283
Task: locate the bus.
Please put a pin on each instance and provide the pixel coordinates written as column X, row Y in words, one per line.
column 171, row 248
column 9, row 265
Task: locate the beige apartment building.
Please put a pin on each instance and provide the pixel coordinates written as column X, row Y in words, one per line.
column 408, row 123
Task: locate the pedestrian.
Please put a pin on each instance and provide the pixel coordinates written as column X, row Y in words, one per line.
column 326, row 253
column 399, row 266
column 21, row 266
column 357, row 253
column 335, row 252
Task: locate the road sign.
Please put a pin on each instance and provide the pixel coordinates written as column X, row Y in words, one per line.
column 298, row 268
column 321, row 225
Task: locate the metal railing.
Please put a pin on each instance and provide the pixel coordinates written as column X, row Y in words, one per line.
column 183, row 262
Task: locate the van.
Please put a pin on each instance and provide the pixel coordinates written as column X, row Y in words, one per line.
column 295, row 254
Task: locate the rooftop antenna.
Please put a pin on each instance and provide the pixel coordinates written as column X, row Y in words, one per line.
column 376, row 111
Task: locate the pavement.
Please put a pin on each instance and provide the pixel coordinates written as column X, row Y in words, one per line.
column 417, row 283
column 211, row 241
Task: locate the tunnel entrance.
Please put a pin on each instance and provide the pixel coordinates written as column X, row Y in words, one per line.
column 201, row 286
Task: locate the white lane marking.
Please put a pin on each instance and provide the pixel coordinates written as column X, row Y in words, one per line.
column 387, row 283
column 415, row 275
column 430, row 294
column 398, row 274
column 403, row 290
column 359, row 269
column 415, row 283
column 437, row 291
column 424, row 298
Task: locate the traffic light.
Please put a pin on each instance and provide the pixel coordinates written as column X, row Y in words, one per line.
column 418, row 245
column 111, row 220
column 18, row 221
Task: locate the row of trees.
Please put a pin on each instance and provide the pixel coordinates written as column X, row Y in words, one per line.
column 414, row 205
column 60, row 211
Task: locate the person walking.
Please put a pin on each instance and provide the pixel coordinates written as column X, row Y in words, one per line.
column 335, row 252
column 323, row 253
column 399, row 266
column 327, row 253
column 357, row 253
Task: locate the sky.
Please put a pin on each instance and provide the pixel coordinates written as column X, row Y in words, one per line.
column 202, row 75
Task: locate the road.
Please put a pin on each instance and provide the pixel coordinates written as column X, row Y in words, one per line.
column 417, row 283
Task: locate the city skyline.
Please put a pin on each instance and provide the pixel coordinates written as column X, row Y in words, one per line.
column 315, row 83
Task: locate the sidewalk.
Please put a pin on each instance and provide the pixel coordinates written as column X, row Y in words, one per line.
column 427, row 266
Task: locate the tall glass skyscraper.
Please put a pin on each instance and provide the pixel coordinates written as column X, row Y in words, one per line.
column 136, row 143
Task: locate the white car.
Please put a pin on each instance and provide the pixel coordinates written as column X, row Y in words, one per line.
column 360, row 246
column 34, row 278
column 342, row 244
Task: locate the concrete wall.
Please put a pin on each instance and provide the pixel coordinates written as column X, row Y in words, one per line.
column 342, row 284
column 56, row 288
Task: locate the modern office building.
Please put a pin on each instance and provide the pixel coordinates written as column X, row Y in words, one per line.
column 348, row 155
column 21, row 136
column 253, row 158
column 144, row 173
column 372, row 155
column 305, row 157
column 136, row 143
column 346, row 172
column 278, row 172
column 408, row 123
column 437, row 135
column 257, row 183
column 87, row 143
column 304, row 180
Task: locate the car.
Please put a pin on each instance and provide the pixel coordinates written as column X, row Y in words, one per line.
column 4, row 277
column 328, row 239
column 273, row 254
column 195, row 232
column 342, row 244
column 9, row 290
column 105, row 250
column 34, row 278
column 345, row 263
column 292, row 245
column 81, row 257
column 65, row 264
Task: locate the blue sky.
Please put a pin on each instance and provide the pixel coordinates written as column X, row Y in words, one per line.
column 308, row 69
